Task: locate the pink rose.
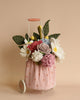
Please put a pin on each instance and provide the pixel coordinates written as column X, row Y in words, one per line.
column 44, row 48
column 48, row 60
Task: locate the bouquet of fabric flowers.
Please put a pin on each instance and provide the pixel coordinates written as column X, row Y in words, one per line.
column 41, row 48
column 41, row 51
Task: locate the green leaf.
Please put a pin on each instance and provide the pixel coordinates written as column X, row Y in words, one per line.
column 18, row 39
column 56, row 35
column 36, row 36
column 27, row 37
column 20, row 46
column 46, row 28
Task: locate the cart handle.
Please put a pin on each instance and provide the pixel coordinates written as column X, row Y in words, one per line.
column 34, row 19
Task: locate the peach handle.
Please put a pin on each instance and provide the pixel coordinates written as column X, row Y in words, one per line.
column 34, row 19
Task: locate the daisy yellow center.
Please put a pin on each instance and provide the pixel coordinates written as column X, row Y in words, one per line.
column 55, row 49
column 27, row 51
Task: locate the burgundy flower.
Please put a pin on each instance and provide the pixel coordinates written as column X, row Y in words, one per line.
column 33, row 46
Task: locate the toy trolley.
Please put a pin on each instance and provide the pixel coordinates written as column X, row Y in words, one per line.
column 37, row 77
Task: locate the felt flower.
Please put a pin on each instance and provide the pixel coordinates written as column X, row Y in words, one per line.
column 44, row 48
column 55, row 41
column 28, row 42
column 56, row 49
column 33, row 46
column 25, row 52
column 60, row 54
column 36, row 56
column 46, row 41
column 48, row 60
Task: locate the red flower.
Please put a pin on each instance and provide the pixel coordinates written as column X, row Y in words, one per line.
column 33, row 46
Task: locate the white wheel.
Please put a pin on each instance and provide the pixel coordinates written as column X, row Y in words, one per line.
column 22, row 86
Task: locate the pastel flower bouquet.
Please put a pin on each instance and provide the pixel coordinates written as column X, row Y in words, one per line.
column 41, row 51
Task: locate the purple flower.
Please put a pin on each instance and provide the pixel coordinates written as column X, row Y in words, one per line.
column 44, row 48
column 48, row 60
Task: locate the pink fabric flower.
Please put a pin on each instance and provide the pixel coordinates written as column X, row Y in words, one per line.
column 48, row 60
column 33, row 46
column 44, row 48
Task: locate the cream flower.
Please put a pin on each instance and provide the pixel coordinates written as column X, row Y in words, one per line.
column 56, row 49
column 54, row 41
column 36, row 56
column 27, row 43
column 25, row 52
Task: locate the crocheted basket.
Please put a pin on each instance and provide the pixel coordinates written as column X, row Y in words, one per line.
column 38, row 77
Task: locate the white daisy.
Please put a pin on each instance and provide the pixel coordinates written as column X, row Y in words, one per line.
column 56, row 49
column 27, row 43
column 55, row 41
column 25, row 52
column 36, row 56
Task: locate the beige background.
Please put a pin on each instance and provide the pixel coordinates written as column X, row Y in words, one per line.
column 66, row 20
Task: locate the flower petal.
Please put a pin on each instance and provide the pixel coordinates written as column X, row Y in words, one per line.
column 60, row 53
column 55, row 41
column 22, row 50
column 23, row 54
column 25, row 41
column 25, row 46
column 31, row 41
